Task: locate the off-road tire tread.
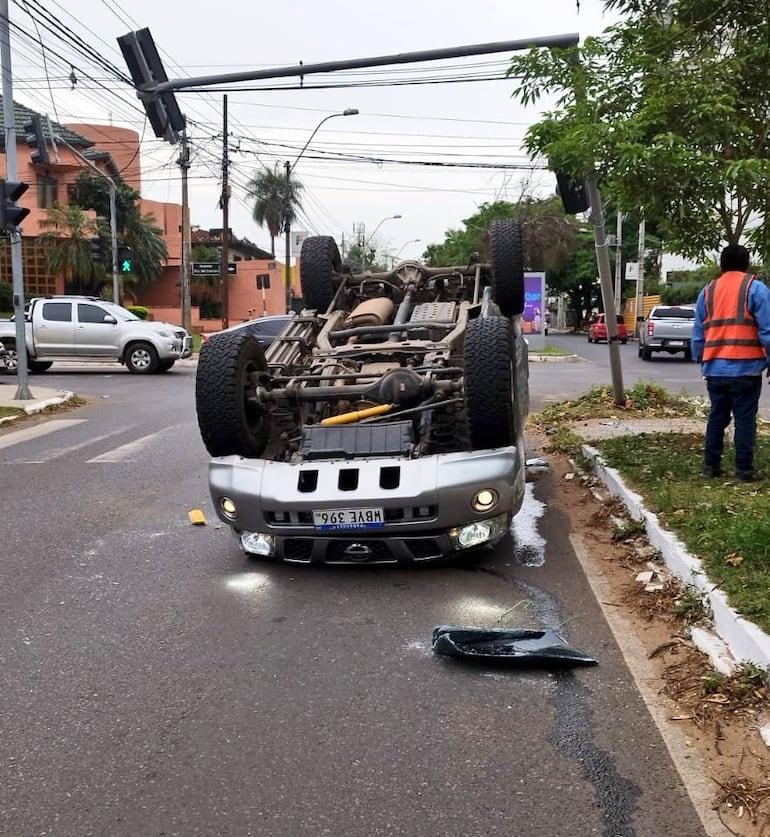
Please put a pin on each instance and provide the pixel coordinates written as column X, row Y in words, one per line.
column 220, row 384
column 507, row 258
column 489, row 359
column 319, row 263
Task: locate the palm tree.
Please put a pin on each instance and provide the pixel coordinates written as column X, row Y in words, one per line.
column 67, row 244
column 276, row 199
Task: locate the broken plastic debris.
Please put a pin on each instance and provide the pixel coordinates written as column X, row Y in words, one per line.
column 509, row 645
column 197, row 518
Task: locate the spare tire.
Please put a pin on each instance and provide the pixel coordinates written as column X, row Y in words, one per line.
column 489, row 387
column 507, row 258
column 230, row 420
column 320, row 265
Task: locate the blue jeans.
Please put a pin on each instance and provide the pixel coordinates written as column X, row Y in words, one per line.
column 737, row 397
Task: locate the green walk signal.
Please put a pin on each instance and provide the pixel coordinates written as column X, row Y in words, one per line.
column 125, row 260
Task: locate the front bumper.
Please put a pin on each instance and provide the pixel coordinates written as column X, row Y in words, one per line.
column 423, row 500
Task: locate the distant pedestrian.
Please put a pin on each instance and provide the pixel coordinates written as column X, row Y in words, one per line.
column 731, row 339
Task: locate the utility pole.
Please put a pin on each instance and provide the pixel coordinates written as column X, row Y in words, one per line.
column 619, row 264
column 184, row 263
column 287, row 231
column 225, row 202
column 17, row 267
column 640, row 279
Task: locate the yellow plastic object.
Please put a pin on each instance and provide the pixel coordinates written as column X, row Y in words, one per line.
column 357, row 415
column 197, row 517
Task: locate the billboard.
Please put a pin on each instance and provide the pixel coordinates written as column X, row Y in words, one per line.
column 533, row 316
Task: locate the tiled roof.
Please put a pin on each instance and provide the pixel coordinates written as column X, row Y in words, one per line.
column 22, row 115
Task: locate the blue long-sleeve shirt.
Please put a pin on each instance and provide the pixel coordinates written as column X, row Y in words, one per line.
column 759, row 306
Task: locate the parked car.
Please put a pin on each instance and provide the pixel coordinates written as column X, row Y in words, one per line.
column 265, row 329
column 668, row 328
column 3, row 359
column 597, row 329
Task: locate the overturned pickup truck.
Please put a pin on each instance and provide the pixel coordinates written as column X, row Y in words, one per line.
column 385, row 422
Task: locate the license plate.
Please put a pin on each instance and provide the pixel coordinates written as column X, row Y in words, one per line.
column 373, row 518
column 676, row 342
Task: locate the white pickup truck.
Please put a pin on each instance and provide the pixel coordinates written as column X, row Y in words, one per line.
column 85, row 328
column 668, row 328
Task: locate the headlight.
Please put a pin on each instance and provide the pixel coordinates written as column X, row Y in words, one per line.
column 256, row 543
column 478, row 532
column 164, row 333
column 484, row 500
column 227, row 507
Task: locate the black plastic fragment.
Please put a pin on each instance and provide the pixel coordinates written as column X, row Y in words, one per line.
column 515, row 646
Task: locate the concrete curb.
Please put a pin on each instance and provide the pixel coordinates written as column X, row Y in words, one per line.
column 39, row 406
column 744, row 640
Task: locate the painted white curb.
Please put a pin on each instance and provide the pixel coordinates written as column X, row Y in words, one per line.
column 744, row 640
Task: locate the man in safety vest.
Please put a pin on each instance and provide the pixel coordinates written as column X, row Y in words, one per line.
column 731, row 338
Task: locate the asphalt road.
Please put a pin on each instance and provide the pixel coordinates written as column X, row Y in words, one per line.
column 156, row 682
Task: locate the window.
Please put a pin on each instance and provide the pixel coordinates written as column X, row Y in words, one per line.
column 58, row 312
column 90, row 313
column 47, row 191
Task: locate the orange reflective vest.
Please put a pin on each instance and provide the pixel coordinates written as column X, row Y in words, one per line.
column 729, row 328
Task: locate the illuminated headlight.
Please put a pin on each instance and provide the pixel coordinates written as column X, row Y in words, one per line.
column 255, row 543
column 478, row 532
column 227, row 507
column 484, row 500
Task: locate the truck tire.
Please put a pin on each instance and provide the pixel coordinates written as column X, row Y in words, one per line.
column 507, row 259
column 165, row 365
column 141, row 358
column 645, row 353
column 489, row 388
column 229, row 422
column 320, row 262
column 37, row 367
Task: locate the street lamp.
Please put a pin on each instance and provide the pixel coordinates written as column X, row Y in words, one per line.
column 363, row 249
column 405, row 244
column 287, row 208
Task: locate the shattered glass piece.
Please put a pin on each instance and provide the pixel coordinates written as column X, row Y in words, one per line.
column 508, row 645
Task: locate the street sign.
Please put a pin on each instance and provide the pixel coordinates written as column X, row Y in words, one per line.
column 211, row 269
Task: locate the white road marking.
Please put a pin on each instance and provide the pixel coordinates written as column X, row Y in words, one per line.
column 130, row 451
column 19, row 436
column 56, row 453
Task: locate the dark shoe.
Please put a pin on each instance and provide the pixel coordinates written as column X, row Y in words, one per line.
column 747, row 476
column 711, row 471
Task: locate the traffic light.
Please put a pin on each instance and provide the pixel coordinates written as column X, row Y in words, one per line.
column 572, row 193
column 125, row 260
column 36, row 139
column 98, row 250
column 10, row 214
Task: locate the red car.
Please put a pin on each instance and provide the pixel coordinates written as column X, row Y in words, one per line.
column 597, row 329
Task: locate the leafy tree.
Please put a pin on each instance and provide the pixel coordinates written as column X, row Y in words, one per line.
column 549, row 237
column 66, row 240
column 149, row 251
column 274, row 199
column 93, row 192
column 669, row 109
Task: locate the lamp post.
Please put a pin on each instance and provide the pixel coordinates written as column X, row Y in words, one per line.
column 365, row 244
column 401, row 249
column 289, row 167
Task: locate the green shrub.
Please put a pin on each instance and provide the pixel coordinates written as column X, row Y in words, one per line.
column 139, row 310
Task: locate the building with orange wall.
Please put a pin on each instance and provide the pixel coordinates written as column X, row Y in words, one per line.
column 115, row 151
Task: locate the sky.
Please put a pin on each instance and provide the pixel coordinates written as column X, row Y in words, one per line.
column 358, row 171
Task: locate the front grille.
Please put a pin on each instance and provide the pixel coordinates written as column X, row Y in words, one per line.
column 298, row 549
column 355, row 551
column 361, row 550
column 424, row 548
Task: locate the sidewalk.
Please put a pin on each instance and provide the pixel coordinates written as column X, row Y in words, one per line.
column 42, row 397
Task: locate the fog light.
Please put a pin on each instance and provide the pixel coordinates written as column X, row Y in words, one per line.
column 227, row 507
column 484, row 500
column 255, row 543
column 479, row 532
